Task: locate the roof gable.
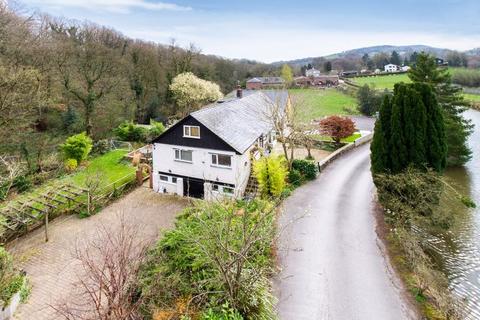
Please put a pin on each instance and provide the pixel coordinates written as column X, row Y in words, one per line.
column 208, row 139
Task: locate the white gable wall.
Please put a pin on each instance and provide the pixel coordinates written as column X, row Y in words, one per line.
column 201, row 167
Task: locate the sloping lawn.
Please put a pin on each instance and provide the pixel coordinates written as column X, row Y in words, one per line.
column 109, row 165
column 382, row 82
column 316, row 104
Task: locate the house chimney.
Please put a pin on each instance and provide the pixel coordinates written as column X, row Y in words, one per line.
column 239, row 91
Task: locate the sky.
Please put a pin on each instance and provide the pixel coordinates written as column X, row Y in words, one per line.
column 274, row 30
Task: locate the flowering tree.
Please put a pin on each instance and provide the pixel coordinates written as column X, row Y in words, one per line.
column 337, row 127
column 191, row 92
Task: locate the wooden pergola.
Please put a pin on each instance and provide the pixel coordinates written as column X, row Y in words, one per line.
column 26, row 214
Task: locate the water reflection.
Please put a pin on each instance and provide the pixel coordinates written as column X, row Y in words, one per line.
column 458, row 251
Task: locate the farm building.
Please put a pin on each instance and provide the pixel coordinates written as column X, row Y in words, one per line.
column 264, row 83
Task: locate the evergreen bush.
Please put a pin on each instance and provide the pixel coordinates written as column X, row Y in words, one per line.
column 128, row 131
column 70, row 165
column 307, row 168
column 295, row 178
column 77, row 147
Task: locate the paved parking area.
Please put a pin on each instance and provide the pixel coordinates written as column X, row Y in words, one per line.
column 50, row 266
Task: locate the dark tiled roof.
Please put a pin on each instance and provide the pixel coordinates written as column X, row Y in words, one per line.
column 239, row 122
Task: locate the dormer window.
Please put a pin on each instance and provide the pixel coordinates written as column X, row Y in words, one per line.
column 191, row 132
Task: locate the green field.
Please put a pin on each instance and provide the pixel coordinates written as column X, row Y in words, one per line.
column 472, row 97
column 314, row 103
column 382, row 82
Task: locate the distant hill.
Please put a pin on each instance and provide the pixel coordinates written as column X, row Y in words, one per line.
column 473, row 52
column 441, row 52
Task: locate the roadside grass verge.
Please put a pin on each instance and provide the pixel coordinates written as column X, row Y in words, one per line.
column 317, row 103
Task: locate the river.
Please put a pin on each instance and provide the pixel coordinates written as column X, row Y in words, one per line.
column 459, row 249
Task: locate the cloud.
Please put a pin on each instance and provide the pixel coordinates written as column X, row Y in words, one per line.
column 118, row 6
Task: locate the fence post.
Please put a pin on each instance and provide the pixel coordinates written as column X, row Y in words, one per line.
column 88, row 202
column 46, row 227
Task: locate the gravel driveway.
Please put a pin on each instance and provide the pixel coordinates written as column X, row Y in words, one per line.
column 332, row 262
column 50, row 266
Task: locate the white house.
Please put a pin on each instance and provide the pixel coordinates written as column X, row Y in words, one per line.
column 405, row 68
column 312, row 73
column 208, row 153
column 391, row 67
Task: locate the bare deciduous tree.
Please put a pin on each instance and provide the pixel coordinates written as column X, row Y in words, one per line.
column 106, row 289
column 286, row 124
column 10, row 169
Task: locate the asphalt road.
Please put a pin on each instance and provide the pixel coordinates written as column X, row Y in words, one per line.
column 333, row 265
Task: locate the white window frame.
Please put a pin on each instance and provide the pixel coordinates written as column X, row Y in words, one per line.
column 187, row 130
column 169, row 179
column 221, row 189
column 180, row 153
column 215, row 155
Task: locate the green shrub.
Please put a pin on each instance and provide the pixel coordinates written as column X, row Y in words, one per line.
column 157, row 129
column 10, row 281
column 70, row 165
column 128, row 131
column 77, row 147
column 226, row 313
column 307, row 168
column 295, row 178
column 22, row 183
column 101, row 147
column 271, row 173
column 186, row 261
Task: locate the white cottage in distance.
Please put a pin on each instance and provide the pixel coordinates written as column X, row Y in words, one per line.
column 208, row 154
column 391, row 67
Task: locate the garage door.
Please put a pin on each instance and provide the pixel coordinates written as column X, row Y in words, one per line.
column 193, row 188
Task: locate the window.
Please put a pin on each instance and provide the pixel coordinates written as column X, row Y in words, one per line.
column 228, row 190
column 164, row 178
column 183, row 155
column 221, row 160
column 191, row 132
column 174, row 180
column 215, row 187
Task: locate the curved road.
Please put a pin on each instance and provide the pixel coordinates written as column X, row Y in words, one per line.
column 332, row 262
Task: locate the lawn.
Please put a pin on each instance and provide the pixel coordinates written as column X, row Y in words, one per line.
column 315, row 103
column 109, row 166
column 349, row 139
column 382, row 82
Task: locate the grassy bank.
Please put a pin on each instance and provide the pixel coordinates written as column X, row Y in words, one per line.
column 315, row 103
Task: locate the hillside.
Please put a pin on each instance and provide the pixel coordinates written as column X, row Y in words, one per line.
column 372, row 51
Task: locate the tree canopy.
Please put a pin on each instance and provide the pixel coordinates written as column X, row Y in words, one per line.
column 409, row 132
column 452, row 104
